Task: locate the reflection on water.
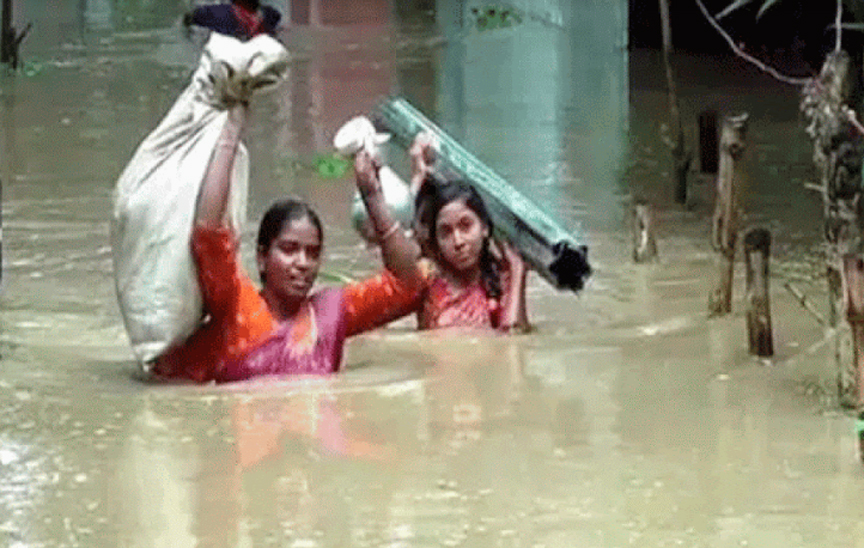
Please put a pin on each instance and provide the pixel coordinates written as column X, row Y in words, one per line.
column 627, row 418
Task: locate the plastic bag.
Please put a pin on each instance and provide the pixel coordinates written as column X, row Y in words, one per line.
column 156, row 195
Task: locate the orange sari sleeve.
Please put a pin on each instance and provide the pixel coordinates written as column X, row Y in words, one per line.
column 379, row 300
column 219, row 275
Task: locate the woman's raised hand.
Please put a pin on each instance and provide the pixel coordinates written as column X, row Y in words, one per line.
column 423, row 153
column 507, row 256
column 366, row 168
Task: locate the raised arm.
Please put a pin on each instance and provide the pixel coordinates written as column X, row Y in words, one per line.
column 514, row 311
column 398, row 252
column 216, row 187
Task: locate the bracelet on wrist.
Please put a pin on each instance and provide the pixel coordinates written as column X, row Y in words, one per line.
column 394, row 228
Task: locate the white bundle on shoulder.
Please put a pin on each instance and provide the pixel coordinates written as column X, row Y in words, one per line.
column 156, row 195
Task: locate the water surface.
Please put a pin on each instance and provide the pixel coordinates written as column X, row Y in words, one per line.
column 627, row 418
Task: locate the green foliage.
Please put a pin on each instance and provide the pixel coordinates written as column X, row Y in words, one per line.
column 326, row 166
column 331, row 166
column 32, row 68
column 495, row 17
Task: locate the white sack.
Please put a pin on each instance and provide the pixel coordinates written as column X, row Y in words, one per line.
column 156, row 195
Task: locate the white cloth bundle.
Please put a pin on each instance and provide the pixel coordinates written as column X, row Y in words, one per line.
column 156, row 195
column 359, row 134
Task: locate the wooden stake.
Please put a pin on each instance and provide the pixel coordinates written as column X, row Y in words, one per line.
column 10, row 39
column 837, row 152
column 725, row 226
column 853, row 299
column 644, row 244
column 757, row 247
column 7, row 34
column 681, row 157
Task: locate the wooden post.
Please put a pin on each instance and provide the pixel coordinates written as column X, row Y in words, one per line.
column 757, row 247
column 708, row 146
column 10, row 39
column 681, row 157
column 837, row 154
column 725, row 229
column 853, row 299
column 7, row 34
column 644, row 244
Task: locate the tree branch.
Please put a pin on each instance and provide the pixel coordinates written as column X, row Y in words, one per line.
column 838, row 22
column 747, row 57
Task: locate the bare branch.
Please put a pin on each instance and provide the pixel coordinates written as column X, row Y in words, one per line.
column 838, row 23
column 746, row 56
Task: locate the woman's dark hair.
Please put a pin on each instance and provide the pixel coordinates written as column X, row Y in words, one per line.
column 442, row 193
column 280, row 213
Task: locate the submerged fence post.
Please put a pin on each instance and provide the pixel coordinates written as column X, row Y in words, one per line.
column 853, row 284
column 644, row 244
column 7, row 35
column 725, row 222
column 757, row 248
column 853, row 297
column 10, row 39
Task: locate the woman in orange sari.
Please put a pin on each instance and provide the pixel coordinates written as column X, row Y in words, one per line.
column 284, row 327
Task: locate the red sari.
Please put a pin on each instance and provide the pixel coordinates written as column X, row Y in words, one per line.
column 444, row 305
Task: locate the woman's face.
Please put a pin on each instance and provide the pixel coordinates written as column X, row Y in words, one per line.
column 460, row 234
column 291, row 264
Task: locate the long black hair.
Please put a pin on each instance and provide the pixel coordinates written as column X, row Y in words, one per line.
column 275, row 219
column 439, row 194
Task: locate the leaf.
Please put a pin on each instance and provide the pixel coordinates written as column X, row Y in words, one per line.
column 732, row 7
column 331, row 166
column 765, row 6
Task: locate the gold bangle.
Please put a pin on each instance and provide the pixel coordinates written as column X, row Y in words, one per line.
column 394, row 228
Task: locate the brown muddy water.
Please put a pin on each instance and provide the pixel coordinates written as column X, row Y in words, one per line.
column 627, row 419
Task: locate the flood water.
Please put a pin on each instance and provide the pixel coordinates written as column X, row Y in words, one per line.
column 628, row 418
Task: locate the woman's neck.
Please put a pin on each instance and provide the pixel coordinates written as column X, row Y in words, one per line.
column 282, row 309
column 461, row 279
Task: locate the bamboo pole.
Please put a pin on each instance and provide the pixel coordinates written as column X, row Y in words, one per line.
column 725, row 229
column 757, row 247
column 644, row 244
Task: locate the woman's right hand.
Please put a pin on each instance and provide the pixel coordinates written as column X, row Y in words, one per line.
column 366, row 169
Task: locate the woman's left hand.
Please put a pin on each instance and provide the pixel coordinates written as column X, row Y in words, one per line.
column 508, row 257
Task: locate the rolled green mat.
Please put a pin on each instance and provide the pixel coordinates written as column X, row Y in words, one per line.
column 550, row 249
